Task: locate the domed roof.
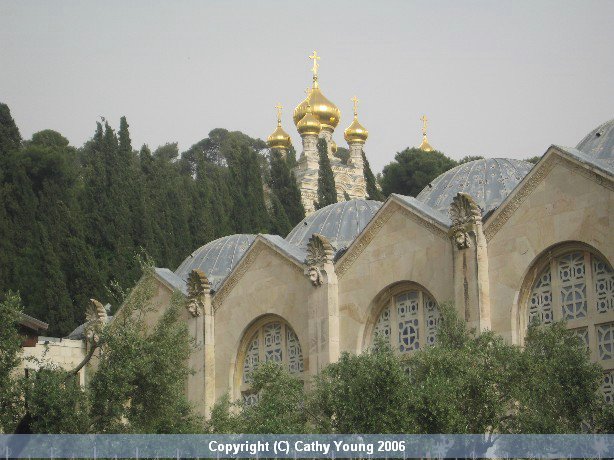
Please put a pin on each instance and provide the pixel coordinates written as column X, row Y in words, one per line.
column 216, row 258
column 488, row 181
column 327, row 113
column 339, row 222
column 356, row 133
column 599, row 143
column 309, row 124
column 279, row 139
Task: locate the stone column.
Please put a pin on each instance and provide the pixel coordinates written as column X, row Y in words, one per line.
column 471, row 282
column 323, row 304
column 201, row 383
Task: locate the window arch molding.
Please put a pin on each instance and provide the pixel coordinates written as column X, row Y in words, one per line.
column 539, row 264
column 256, row 327
column 383, row 300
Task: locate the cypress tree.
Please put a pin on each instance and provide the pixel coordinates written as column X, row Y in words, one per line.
column 327, row 194
column 284, row 187
column 280, row 225
column 10, row 139
column 373, row 193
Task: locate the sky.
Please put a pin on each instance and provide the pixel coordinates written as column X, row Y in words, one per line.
column 497, row 79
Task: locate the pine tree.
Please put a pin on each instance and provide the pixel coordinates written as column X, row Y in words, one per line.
column 327, row 194
column 373, row 193
column 284, row 187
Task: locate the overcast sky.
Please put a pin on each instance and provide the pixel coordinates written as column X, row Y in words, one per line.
column 498, row 79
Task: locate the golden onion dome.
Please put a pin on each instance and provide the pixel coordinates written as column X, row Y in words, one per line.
column 279, row 139
column 309, row 124
column 328, row 114
column 333, row 146
column 355, row 133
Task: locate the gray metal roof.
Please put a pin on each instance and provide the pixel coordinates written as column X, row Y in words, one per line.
column 173, row 280
column 420, row 208
column 599, row 143
column 598, row 163
column 78, row 333
column 340, row 223
column 217, row 258
column 488, row 181
column 289, row 249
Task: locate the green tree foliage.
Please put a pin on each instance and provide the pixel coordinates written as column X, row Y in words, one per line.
column 468, row 158
column 466, row 383
column 327, row 194
column 10, row 347
column 283, row 185
column 138, row 364
column 280, row 408
column 373, row 193
column 343, row 154
column 412, row 170
column 10, row 138
column 534, row 159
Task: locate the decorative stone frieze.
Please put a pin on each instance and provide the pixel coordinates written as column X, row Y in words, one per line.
column 319, row 254
column 198, row 286
column 466, row 215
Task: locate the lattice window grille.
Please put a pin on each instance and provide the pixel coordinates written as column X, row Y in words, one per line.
column 252, row 359
column 540, row 303
column 250, row 398
column 607, row 387
column 571, row 272
column 276, row 342
column 410, row 321
column 604, row 285
column 272, row 343
column 407, row 306
column 582, row 334
column 382, row 327
column 432, row 320
column 605, row 341
column 295, row 354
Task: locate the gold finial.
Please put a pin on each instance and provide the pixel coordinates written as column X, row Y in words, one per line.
column 425, row 146
column 424, row 123
column 279, row 107
column 315, row 59
column 355, row 101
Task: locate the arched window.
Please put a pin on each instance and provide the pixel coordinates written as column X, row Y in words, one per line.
column 408, row 320
column 578, row 286
column 270, row 341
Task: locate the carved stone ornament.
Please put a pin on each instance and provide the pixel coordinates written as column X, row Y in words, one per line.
column 319, row 253
column 96, row 320
column 198, row 286
column 465, row 214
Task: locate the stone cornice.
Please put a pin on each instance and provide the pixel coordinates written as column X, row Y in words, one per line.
column 552, row 158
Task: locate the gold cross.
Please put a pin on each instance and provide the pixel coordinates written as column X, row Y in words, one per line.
column 279, row 107
column 424, row 123
column 355, row 101
column 315, row 58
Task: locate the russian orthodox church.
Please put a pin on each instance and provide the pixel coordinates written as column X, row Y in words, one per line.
column 316, row 118
column 505, row 241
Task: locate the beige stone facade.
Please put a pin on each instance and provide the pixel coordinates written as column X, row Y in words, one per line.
column 517, row 242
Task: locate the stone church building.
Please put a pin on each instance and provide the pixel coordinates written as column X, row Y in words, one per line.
column 505, row 241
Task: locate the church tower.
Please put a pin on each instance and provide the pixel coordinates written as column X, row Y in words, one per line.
column 315, row 118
